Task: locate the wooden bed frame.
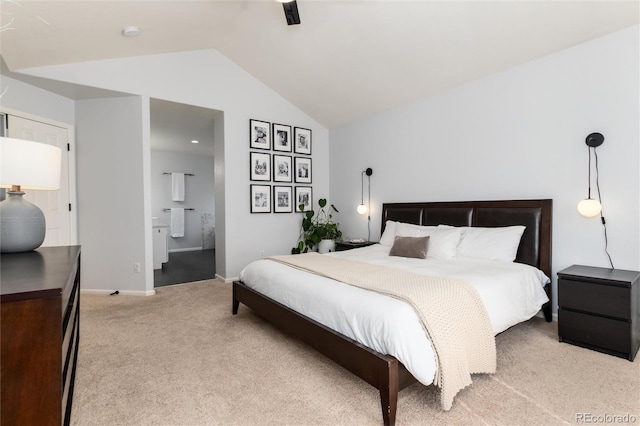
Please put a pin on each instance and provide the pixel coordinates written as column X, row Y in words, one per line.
column 385, row 372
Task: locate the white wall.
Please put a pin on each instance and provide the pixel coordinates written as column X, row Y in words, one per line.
column 199, row 193
column 208, row 79
column 23, row 97
column 110, row 194
column 515, row 135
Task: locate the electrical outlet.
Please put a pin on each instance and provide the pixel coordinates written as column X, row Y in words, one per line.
column 261, row 253
column 136, row 267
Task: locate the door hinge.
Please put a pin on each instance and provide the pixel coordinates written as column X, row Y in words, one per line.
column 69, row 206
column 68, row 147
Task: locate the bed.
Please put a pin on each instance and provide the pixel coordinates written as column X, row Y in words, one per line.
column 383, row 371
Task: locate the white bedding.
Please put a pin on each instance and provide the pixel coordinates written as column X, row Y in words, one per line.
column 511, row 292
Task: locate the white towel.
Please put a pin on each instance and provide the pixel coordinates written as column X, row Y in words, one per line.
column 177, row 186
column 177, row 222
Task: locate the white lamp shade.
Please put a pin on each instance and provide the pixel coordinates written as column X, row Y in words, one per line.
column 362, row 209
column 32, row 165
column 589, row 207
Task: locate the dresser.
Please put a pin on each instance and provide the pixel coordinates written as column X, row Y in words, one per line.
column 599, row 309
column 40, row 310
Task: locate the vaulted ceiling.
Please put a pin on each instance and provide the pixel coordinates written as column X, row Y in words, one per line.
column 346, row 60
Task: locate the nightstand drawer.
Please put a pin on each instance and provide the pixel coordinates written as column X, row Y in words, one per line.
column 590, row 330
column 601, row 299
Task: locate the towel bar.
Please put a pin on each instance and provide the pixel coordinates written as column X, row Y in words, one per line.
column 166, row 210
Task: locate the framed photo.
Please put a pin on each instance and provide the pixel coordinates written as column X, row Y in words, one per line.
column 281, row 137
column 260, row 198
column 282, row 168
column 260, row 164
column 302, row 140
column 302, row 170
column 303, row 196
column 282, row 199
column 260, row 134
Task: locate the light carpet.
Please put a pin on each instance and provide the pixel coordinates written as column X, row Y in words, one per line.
column 181, row 358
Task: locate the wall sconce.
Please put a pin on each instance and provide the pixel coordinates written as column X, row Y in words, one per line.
column 362, row 208
column 590, row 207
column 25, row 165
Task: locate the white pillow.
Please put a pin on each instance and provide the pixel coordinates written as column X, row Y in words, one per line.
column 389, row 235
column 443, row 242
column 411, row 230
column 490, row 243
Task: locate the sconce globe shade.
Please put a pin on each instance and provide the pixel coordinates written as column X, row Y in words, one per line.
column 362, row 209
column 589, row 207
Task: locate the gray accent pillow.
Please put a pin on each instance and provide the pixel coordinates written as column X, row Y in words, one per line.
column 415, row 247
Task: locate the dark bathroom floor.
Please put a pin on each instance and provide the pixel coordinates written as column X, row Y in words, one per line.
column 186, row 266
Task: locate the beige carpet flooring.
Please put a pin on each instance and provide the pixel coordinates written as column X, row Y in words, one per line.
column 181, row 358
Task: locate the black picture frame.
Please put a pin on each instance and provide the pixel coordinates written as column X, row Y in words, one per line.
column 282, row 168
column 282, row 140
column 282, row 199
column 302, row 170
column 259, row 134
column 302, row 140
column 303, row 195
column 260, row 198
column 260, row 166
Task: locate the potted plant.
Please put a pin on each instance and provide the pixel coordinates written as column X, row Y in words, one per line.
column 318, row 229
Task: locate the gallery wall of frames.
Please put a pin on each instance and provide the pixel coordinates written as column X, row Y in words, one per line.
column 280, row 165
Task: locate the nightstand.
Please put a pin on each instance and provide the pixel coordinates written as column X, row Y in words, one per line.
column 598, row 308
column 347, row 245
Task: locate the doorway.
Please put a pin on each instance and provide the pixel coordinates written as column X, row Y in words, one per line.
column 182, row 140
column 58, row 206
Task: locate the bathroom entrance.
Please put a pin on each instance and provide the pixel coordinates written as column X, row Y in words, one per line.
column 182, row 191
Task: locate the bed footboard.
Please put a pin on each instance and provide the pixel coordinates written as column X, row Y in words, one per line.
column 384, row 372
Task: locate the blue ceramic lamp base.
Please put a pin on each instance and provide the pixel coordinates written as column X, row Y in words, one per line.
column 22, row 224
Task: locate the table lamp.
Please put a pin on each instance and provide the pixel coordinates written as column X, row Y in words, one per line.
column 25, row 165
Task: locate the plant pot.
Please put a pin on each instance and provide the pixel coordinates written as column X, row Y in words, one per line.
column 326, row 246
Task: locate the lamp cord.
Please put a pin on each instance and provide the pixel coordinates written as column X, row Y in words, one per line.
column 604, row 223
column 589, row 171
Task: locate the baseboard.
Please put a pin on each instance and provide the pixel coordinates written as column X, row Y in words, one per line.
column 178, row 250
column 226, row 280
column 122, row 292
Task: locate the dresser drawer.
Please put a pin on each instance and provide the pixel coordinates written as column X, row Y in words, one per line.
column 601, row 299
column 68, row 325
column 592, row 330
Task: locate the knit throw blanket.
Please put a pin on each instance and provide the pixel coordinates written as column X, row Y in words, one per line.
column 451, row 312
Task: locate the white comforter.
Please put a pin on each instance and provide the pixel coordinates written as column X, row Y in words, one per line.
column 511, row 292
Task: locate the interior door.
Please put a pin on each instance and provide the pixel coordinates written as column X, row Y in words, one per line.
column 54, row 204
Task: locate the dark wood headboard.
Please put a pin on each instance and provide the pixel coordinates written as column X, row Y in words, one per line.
column 535, row 215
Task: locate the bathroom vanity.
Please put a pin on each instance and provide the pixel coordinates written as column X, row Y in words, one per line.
column 160, row 245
